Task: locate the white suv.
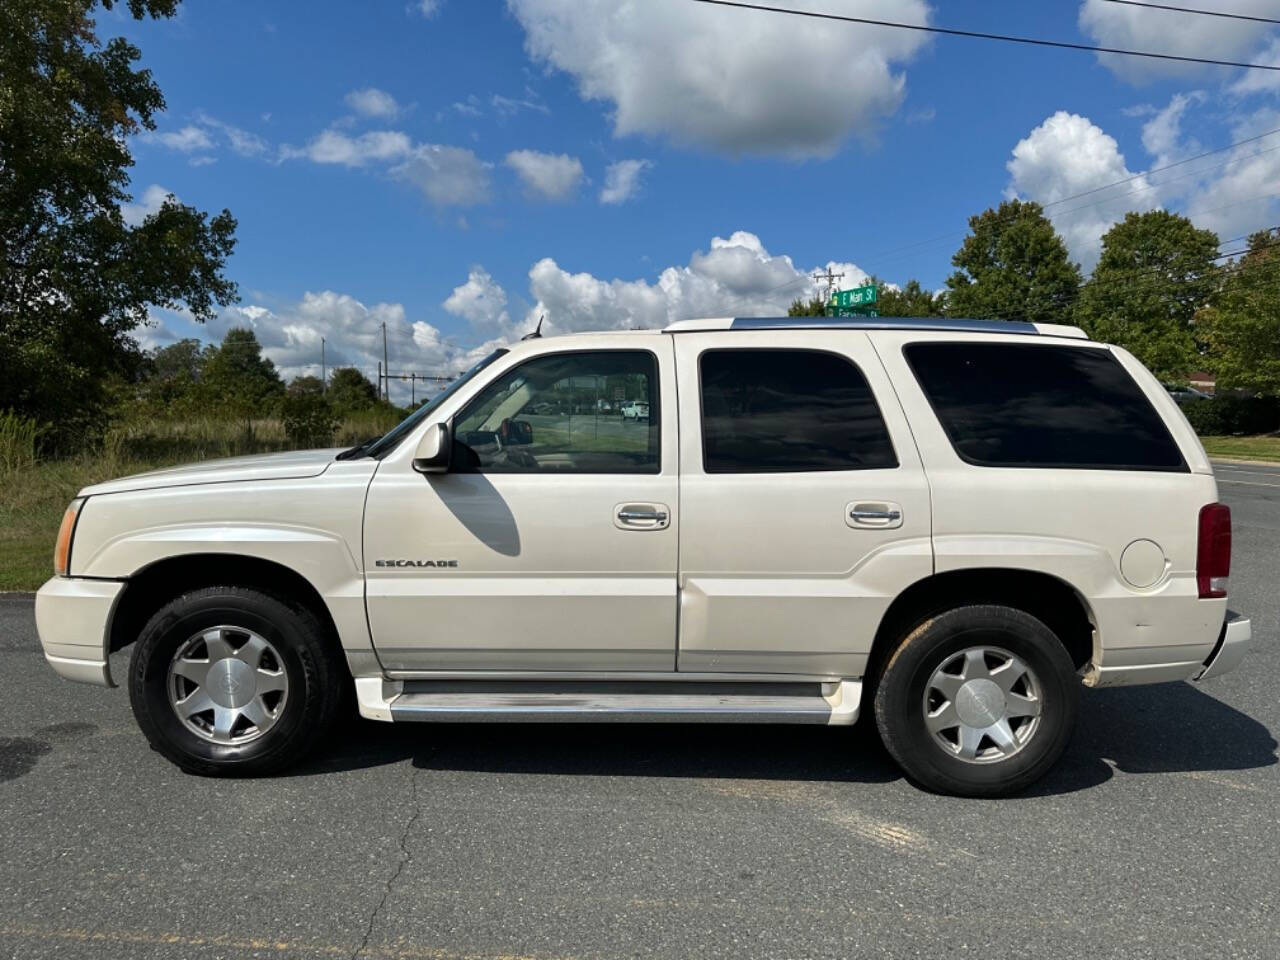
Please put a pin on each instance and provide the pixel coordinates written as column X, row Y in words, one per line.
column 949, row 524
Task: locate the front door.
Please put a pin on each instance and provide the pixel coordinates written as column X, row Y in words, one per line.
column 804, row 507
column 551, row 543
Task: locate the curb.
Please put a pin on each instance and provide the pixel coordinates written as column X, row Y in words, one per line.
column 1243, row 460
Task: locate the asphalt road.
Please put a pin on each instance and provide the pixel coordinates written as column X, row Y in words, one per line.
column 1156, row 836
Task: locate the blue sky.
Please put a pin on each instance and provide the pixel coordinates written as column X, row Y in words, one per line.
column 444, row 168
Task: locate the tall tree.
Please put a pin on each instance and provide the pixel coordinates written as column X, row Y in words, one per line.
column 239, row 380
column 1156, row 270
column 350, row 390
column 1243, row 328
column 1012, row 266
column 75, row 278
column 912, row 300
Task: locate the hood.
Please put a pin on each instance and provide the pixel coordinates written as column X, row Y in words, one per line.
column 272, row 466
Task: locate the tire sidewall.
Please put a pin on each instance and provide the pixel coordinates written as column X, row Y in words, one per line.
column 901, row 691
column 183, row 618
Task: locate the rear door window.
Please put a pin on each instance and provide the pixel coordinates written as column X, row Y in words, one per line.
column 1025, row 405
column 772, row 411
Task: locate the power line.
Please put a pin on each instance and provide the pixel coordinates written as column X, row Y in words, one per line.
column 1033, row 41
column 1203, row 13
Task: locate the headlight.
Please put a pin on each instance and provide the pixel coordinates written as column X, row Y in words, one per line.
column 62, row 549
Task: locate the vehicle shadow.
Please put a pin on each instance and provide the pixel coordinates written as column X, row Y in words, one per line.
column 1163, row 729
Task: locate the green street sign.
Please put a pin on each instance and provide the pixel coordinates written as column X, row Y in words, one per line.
column 857, row 297
column 855, row 312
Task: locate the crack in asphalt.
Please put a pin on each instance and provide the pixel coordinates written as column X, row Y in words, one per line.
column 405, row 857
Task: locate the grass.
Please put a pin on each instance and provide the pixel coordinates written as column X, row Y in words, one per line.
column 34, row 493
column 1243, row 448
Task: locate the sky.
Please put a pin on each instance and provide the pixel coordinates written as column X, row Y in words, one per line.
column 457, row 168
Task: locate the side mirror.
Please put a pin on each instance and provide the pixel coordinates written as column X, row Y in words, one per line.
column 435, row 450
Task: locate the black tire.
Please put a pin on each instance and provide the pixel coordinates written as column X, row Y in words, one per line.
column 903, row 683
column 317, row 680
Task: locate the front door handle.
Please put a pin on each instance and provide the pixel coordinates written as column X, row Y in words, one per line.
column 641, row 516
column 879, row 514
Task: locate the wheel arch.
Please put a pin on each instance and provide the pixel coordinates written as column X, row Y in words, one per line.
column 1050, row 599
column 161, row 581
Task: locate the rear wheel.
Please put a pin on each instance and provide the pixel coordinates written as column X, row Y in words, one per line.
column 978, row 701
column 232, row 681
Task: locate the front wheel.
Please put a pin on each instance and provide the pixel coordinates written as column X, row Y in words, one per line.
column 232, row 681
column 978, row 701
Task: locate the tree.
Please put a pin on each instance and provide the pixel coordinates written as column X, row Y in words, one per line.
column 814, row 307
column 350, row 391
column 913, row 300
column 1156, row 270
column 172, row 379
column 75, row 278
column 1243, row 328
column 239, row 380
column 1012, row 266
column 309, row 418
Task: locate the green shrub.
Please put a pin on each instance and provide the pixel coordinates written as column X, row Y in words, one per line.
column 309, row 419
column 1228, row 415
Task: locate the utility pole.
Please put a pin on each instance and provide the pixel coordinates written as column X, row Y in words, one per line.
column 379, row 379
column 413, row 379
column 324, row 376
column 830, row 279
column 385, row 364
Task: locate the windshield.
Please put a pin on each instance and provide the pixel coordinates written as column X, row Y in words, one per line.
column 397, row 433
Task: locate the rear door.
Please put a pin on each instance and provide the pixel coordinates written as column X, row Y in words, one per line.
column 804, row 507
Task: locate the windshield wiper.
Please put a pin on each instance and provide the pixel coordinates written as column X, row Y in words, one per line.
column 358, row 450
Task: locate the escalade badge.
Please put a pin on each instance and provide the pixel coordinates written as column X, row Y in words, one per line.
column 415, row 563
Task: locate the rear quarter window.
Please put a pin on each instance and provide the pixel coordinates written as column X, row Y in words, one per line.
column 1026, row 405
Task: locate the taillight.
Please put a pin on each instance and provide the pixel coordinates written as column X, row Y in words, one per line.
column 62, row 548
column 1213, row 550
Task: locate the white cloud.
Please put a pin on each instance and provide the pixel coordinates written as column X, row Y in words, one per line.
column 447, row 176
column 470, row 107
column 372, row 102
column 622, row 180
column 427, row 8
column 733, row 277
column 550, row 176
column 189, row 139
column 152, row 200
column 1139, row 28
column 730, row 79
column 1261, row 81
column 482, row 303
column 290, row 337
column 1231, row 193
column 1067, row 155
column 508, row 106
column 333, row 146
column 243, row 142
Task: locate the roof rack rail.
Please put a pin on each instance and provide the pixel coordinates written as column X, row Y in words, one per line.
column 946, row 324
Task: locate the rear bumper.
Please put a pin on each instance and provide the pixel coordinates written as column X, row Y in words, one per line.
column 72, row 619
column 1233, row 644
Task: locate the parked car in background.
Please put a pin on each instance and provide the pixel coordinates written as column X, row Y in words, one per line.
column 635, row 410
column 1184, row 394
column 950, row 525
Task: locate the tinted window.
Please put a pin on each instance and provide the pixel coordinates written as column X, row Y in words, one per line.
column 788, row 410
column 1014, row 405
column 564, row 413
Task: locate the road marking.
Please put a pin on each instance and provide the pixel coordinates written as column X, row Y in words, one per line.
column 1251, row 473
column 245, row 944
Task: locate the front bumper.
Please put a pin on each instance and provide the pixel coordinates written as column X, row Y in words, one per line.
column 72, row 618
column 1232, row 645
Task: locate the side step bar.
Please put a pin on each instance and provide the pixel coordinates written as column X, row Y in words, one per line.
column 479, row 701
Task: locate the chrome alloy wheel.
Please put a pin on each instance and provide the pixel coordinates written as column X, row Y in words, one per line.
column 982, row 705
column 227, row 685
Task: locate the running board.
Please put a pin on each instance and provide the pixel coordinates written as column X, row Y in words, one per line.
column 478, row 701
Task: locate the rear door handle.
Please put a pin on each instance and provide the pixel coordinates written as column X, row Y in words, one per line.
column 641, row 516
column 877, row 514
